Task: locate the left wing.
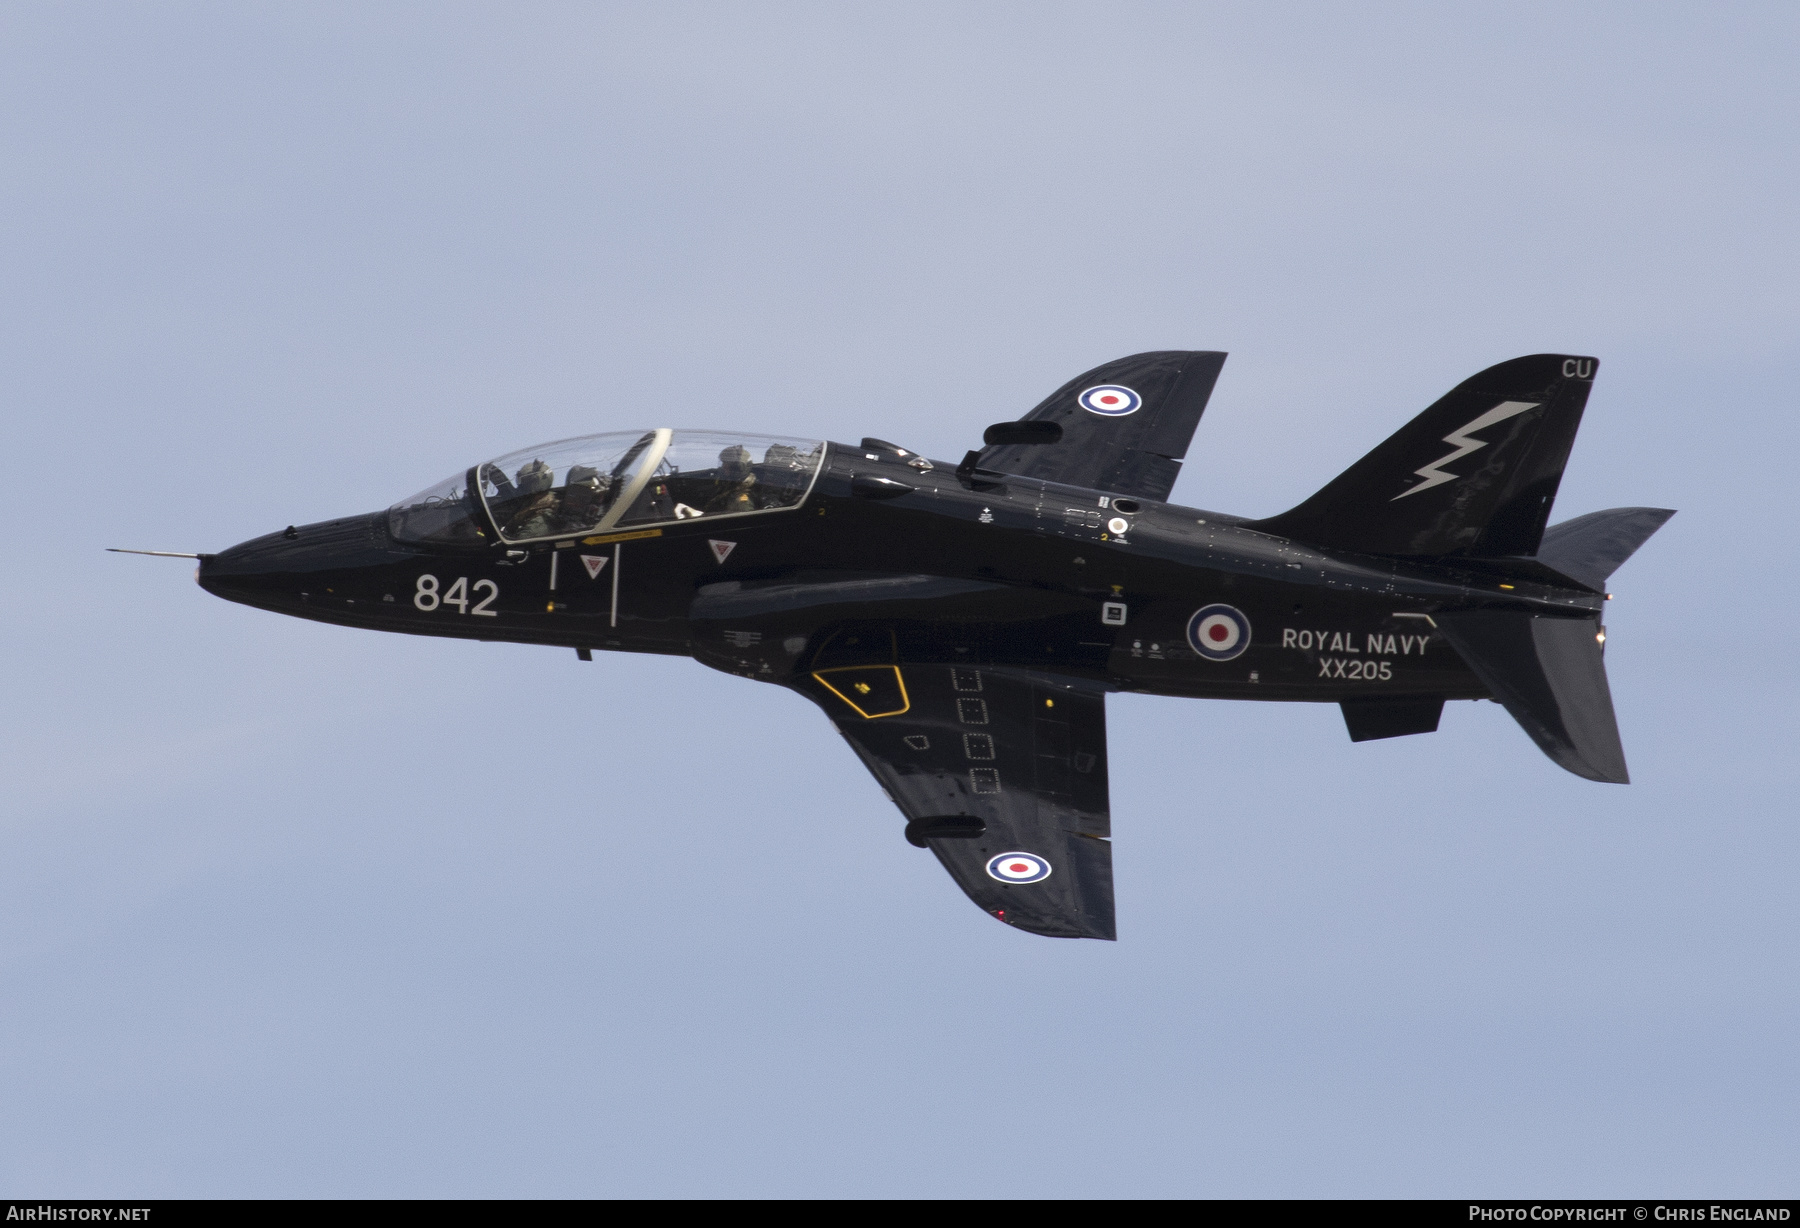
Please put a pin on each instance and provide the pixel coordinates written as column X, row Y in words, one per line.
column 1001, row 774
column 1122, row 427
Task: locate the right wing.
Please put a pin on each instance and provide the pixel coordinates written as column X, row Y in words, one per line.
column 1002, row 775
column 1125, row 425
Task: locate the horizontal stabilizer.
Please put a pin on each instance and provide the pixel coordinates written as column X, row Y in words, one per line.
column 1473, row 475
column 1590, row 548
column 1549, row 673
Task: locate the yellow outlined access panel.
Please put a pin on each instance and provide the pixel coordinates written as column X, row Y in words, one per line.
column 870, row 690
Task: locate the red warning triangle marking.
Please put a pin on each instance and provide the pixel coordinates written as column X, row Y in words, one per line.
column 593, row 563
column 721, row 549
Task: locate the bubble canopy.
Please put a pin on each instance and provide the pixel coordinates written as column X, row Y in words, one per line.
column 595, row 483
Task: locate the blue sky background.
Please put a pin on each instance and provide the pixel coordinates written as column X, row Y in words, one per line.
column 288, row 909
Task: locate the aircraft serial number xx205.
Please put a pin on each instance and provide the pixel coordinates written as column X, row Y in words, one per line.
column 1020, row 587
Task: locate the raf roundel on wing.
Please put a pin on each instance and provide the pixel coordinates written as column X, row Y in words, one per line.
column 1110, row 400
column 1018, row 868
column 1218, row 632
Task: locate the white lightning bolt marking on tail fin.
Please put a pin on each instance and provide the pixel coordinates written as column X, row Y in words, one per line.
column 1459, row 439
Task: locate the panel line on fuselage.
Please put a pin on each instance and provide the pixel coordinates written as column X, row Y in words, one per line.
column 617, row 548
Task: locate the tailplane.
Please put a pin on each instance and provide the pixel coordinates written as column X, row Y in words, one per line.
column 1473, row 475
column 1550, row 675
column 1590, row 548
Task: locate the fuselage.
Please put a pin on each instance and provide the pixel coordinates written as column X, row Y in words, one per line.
column 935, row 566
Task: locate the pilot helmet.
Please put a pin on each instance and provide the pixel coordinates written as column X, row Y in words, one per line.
column 535, row 476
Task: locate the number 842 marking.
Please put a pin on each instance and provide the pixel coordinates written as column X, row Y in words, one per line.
column 426, row 596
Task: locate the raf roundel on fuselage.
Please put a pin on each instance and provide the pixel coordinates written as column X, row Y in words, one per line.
column 1218, row 632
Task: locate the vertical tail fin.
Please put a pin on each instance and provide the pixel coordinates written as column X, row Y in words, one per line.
column 1549, row 673
column 1473, row 475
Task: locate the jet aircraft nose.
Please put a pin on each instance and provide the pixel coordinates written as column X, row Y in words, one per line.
column 277, row 570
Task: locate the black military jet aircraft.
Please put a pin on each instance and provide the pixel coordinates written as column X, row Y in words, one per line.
column 1015, row 589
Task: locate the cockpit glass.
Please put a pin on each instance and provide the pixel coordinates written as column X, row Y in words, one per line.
column 441, row 514
column 561, row 488
column 716, row 473
column 595, row 482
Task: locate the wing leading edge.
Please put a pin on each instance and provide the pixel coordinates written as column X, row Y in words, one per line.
column 1002, row 775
